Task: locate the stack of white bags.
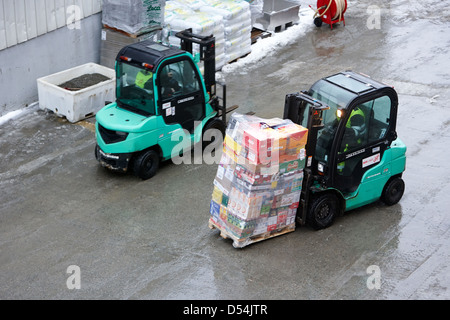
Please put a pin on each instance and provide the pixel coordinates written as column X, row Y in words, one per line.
column 229, row 21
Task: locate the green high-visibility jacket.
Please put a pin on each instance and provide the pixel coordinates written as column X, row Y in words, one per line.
column 142, row 78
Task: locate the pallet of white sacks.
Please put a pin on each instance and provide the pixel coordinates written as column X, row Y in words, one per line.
column 239, row 243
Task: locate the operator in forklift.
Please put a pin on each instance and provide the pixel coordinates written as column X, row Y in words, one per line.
column 169, row 85
column 144, row 79
column 354, row 135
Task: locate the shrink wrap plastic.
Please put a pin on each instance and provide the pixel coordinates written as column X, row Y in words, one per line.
column 133, row 16
column 231, row 20
column 259, row 179
column 179, row 16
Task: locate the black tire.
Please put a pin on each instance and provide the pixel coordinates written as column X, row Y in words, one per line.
column 393, row 191
column 213, row 124
column 146, row 164
column 97, row 157
column 318, row 22
column 322, row 211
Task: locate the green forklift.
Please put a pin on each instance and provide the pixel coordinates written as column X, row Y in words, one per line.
column 162, row 100
column 354, row 156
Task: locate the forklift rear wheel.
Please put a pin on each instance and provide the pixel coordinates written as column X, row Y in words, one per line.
column 323, row 210
column 146, row 164
column 393, row 191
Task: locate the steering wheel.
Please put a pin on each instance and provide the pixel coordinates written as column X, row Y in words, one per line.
column 136, row 93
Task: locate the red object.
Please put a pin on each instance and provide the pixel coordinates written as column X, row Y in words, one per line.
column 259, row 145
column 329, row 12
column 147, row 65
column 125, row 58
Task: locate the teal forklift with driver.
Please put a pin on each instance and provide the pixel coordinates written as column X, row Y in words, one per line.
column 161, row 99
column 354, row 156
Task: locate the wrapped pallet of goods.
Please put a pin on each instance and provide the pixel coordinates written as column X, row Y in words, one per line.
column 133, row 17
column 126, row 22
column 237, row 23
column 179, row 16
column 257, row 187
column 256, row 9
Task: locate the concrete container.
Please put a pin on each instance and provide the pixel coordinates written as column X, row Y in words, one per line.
column 76, row 105
column 279, row 15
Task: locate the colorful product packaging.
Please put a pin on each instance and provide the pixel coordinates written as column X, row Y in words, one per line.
column 258, row 183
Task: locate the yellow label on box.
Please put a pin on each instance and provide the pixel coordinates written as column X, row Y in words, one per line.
column 232, row 145
column 274, row 184
column 217, row 195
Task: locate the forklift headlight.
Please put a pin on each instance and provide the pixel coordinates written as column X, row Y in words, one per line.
column 320, row 167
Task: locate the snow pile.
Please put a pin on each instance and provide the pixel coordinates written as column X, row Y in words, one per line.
column 10, row 115
column 17, row 113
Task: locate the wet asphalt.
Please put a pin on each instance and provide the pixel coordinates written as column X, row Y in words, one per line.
column 134, row 239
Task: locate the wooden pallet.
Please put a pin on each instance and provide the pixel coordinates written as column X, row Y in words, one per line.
column 134, row 35
column 240, row 243
column 259, row 34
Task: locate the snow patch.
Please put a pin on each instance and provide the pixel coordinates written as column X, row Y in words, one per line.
column 16, row 113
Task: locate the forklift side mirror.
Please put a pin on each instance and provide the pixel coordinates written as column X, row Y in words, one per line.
column 393, row 135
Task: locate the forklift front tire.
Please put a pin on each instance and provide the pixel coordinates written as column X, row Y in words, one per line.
column 322, row 211
column 393, row 191
column 146, row 164
column 96, row 151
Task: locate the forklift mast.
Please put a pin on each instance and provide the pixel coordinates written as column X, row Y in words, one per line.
column 295, row 109
column 207, row 46
column 207, row 54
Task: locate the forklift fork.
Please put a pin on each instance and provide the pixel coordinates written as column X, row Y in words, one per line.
column 294, row 110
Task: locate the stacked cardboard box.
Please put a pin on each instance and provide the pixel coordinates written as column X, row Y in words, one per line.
column 258, row 182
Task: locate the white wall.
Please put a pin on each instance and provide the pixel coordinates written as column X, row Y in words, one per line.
column 40, row 40
column 22, row 20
